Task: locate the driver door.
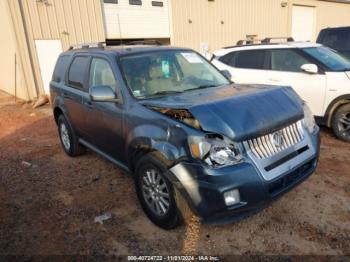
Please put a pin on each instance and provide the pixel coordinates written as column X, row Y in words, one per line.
column 105, row 120
column 285, row 70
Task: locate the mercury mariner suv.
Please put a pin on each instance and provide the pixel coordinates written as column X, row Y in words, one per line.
column 319, row 75
column 193, row 141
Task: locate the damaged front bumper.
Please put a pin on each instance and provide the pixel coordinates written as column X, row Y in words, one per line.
column 204, row 187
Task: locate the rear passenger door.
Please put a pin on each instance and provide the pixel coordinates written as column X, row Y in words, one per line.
column 246, row 67
column 58, row 76
column 285, row 69
column 75, row 88
column 104, row 120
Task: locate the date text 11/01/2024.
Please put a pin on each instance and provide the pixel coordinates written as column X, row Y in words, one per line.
column 173, row 258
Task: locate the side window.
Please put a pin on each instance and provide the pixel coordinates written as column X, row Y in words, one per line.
column 252, row 59
column 101, row 74
column 77, row 72
column 60, row 68
column 337, row 39
column 287, row 60
column 228, row 59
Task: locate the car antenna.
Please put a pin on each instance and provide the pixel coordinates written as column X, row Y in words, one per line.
column 120, row 32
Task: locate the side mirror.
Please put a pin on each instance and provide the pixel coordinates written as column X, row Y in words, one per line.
column 103, row 94
column 310, row 68
column 226, row 74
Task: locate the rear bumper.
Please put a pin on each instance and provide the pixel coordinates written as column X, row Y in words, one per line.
column 203, row 187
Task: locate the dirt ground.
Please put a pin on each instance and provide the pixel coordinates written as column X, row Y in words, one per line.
column 48, row 203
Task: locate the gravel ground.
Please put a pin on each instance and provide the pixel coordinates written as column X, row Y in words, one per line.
column 48, row 203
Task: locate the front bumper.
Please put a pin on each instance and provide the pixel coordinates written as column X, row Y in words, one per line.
column 204, row 187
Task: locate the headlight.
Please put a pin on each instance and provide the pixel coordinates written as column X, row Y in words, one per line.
column 215, row 151
column 309, row 120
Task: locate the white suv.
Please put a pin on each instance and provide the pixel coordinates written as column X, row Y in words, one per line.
column 318, row 74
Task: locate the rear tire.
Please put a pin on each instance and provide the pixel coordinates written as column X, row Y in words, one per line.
column 69, row 140
column 156, row 193
column 341, row 123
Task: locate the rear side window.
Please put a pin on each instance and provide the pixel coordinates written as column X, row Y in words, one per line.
column 77, row 72
column 252, row 59
column 287, row 60
column 337, row 39
column 60, row 68
column 228, row 59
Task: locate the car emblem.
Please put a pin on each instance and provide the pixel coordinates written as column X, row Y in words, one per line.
column 278, row 139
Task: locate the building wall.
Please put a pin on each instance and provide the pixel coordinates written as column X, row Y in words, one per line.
column 11, row 77
column 136, row 21
column 70, row 21
column 221, row 23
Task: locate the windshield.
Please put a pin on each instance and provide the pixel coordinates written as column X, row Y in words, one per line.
column 168, row 72
column 330, row 58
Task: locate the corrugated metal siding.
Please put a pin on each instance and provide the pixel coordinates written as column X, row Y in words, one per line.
column 23, row 54
column 9, row 68
column 223, row 22
column 71, row 21
column 137, row 21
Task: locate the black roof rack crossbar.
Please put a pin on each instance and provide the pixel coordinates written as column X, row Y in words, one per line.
column 248, row 41
column 88, row 45
column 268, row 39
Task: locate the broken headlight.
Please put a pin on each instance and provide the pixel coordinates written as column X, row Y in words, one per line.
column 309, row 120
column 215, row 151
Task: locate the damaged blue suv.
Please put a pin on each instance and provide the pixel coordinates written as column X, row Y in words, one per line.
column 185, row 132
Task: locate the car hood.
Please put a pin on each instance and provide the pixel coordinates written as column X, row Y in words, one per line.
column 239, row 112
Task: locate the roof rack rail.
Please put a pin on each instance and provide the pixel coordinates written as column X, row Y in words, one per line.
column 248, row 41
column 88, row 45
column 268, row 39
column 145, row 42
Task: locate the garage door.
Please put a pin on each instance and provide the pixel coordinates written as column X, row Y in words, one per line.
column 303, row 23
column 47, row 52
column 148, row 19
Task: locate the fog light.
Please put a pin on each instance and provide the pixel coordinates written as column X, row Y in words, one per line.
column 232, row 197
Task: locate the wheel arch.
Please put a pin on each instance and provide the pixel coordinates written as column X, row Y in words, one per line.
column 333, row 106
column 57, row 111
column 163, row 151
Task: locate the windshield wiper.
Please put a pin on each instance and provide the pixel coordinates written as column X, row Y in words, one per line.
column 168, row 92
column 201, row 87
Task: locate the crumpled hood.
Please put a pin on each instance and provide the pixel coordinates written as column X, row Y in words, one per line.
column 239, row 112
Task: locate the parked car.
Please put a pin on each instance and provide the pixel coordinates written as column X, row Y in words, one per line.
column 184, row 131
column 337, row 38
column 320, row 76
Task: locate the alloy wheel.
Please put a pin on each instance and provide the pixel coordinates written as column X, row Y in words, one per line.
column 65, row 136
column 344, row 124
column 155, row 192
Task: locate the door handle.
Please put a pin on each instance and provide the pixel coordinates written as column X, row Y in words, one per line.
column 66, row 95
column 88, row 104
column 274, row 80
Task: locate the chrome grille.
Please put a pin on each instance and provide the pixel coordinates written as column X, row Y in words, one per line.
column 265, row 146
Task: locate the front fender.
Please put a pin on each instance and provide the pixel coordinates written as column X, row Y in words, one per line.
column 170, row 142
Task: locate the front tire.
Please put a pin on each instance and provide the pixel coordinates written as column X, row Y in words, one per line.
column 341, row 123
column 69, row 140
column 156, row 193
